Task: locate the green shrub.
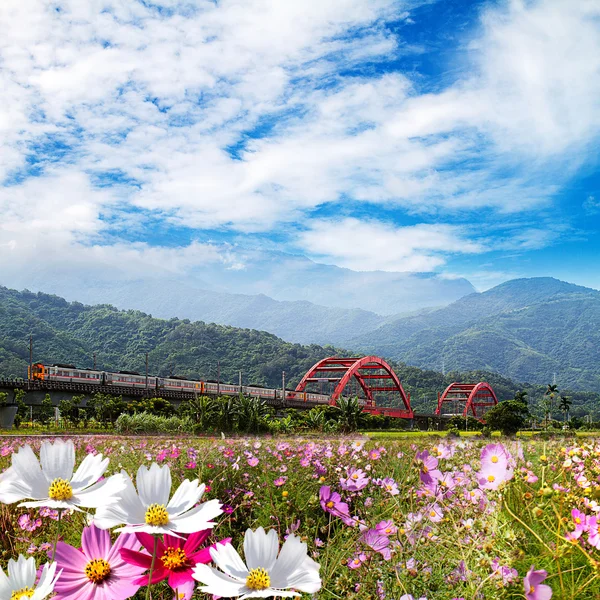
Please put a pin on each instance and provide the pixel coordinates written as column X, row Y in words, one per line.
column 148, row 423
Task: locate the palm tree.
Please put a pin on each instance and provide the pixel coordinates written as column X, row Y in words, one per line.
column 565, row 405
column 548, row 402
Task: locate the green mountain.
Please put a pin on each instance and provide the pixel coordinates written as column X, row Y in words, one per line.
column 524, row 329
column 72, row 332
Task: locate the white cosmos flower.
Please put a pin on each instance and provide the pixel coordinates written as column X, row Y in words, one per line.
column 53, row 483
column 152, row 512
column 20, row 583
column 266, row 574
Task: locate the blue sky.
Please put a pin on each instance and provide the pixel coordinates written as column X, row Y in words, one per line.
column 454, row 137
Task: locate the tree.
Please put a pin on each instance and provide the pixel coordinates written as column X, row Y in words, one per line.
column 565, row 405
column 548, row 402
column 46, row 410
column 508, row 416
column 22, row 410
column 521, row 396
column 106, row 408
column 69, row 409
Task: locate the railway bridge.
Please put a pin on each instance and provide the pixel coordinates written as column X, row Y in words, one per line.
column 370, row 378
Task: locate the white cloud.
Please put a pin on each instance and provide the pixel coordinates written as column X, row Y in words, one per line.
column 365, row 245
column 162, row 95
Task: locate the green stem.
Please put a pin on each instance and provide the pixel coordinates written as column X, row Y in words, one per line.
column 152, row 567
column 57, row 534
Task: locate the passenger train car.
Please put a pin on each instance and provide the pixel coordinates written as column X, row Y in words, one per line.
column 131, row 379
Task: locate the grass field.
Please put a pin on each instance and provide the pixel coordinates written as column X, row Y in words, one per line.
column 416, row 514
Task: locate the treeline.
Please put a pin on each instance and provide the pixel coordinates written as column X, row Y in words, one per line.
column 204, row 414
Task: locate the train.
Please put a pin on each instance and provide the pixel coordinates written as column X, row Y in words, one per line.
column 132, row 379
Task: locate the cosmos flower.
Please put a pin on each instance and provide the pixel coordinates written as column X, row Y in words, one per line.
column 265, row 573
column 150, row 511
column 20, row 583
column 356, row 480
column 534, row 588
column 378, row 542
column 97, row 571
column 331, row 502
column 53, row 483
column 495, row 454
column 175, row 559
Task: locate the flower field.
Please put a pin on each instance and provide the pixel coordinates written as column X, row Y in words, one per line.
column 427, row 518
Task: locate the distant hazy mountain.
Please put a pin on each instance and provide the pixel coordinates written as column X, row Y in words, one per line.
column 525, row 329
column 300, row 321
column 288, row 277
column 168, row 291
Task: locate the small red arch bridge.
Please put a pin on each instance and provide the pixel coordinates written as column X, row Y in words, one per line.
column 370, row 378
column 465, row 399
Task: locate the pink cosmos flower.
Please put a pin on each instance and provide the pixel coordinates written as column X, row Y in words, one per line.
column 331, row 502
column 253, row 461
column 280, row 481
column 357, row 560
column 534, row 588
column 175, row 559
column 357, row 479
column 378, row 542
column 427, row 464
column 97, row 571
column 386, row 528
column 494, row 454
column 390, row 486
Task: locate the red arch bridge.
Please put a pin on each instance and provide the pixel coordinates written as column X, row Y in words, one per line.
column 370, row 378
column 476, row 398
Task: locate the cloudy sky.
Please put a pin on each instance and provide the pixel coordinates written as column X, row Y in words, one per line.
column 457, row 136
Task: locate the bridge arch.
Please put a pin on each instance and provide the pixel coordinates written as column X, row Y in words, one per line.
column 372, row 373
column 478, row 398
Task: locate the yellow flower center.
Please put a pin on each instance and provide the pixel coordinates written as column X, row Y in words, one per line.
column 18, row 594
column 60, row 489
column 432, row 513
column 425, row 469
column 174, row 558
column 494, row 459
column 330, row 504
column 354, row 476
column 577, row 520
column 491, row 478
column 258, row 579
column 157, row 515
column 97, row 570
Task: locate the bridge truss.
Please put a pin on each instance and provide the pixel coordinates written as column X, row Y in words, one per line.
column 375, row 383
column 477, row 399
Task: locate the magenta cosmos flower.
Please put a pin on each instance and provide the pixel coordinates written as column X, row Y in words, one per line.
column 175, row 559
column 97, row 571
column 534, row 588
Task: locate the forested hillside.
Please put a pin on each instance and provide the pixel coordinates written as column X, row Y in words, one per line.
column 527, row 330
column 72, row 332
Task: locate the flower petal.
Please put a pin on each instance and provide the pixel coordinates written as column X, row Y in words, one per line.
column 186, row 496
column 228, row 560
column 292, row 555
column 197, row 518
column 58, row 460
column 128, row 510
column 154, row 484
column 217, row 583
column 260, row 548
column 89, row 471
